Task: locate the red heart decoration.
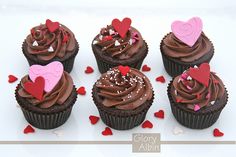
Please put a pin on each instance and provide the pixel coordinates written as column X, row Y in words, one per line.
column 159, row 114
column 81, row 90
column 89, row 70
column 161, row 79
column 29, row 129
column 146, row 68
column 35, row 88
column 201, row 74
column 12, row 78
column 217, row 133
column 107, row 131
column 121, row 27
column 93, row 119
column 147, row 124
column 124, row 70
column 52, row 26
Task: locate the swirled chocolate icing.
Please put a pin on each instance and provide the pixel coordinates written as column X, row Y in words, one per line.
column 173, row 47
column 47, row 45
column 113, row 45
column 190, row 92
column 57, row 96
column 124, row 92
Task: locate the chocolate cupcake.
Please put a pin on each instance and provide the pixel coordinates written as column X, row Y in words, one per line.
column 119, row 44
column 197, row 97
column 185, row 47
column 123, row 96
column 46, row 96
column 51, row 42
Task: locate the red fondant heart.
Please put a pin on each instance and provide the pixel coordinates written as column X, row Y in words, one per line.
column 52, row 26
column 81, row 90
column 89, row 70
column 161, row 79
column 146, row 68
column 107, row 132
column 35, row 88
column 217, row 133
column 121, row 27
column 201, row 74
column 147, row 124
column 159, row 114
column 29, row 129
column 124, row 70
column 93, row 119
column 12, row 78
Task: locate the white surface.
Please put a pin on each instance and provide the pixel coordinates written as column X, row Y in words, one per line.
column 152, row 18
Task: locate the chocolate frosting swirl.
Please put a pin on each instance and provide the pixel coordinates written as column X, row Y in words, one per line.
column 190, row 92
column 47, row 45
column 173, row 47
column 124, row 92
column 57, row 96
column 113, row 45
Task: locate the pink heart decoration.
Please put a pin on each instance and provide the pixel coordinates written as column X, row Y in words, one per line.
column 51, row 72
column 188, row 32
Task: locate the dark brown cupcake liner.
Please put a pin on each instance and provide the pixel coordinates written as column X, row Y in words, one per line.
column 136, row 61
column 175, row 67
column 121, row 119
column 68, row 61
column 197, row 120
column 47, row 120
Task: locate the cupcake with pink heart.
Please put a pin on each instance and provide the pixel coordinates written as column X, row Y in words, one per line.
column 46, row 95
column 186, row 46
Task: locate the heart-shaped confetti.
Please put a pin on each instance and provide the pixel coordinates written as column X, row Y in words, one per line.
column 93, row 119
column 121, row 27
column 201, row 74
column 12, row 78
column 146, row 68
column 51, row 72
column 147, row 124
column 161, row 79
column 52, row 26
column 124, row 70
column 188, row 32
column 159, row 114
column 107, row 132
column 35, row 88
column 196, row 107
column 217, row 133
column 89, row 70
column 29, row 129
column 81, row 90
column 177, row 131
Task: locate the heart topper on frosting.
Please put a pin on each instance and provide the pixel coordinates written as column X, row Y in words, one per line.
column 188, row 32
column 52, row 26
column 121, row 27
column 51, row 72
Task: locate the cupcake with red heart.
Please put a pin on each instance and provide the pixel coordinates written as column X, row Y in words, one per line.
column 185, row 46
column 119, row 44
column 46, row 95
column 123, row 95
column 197, row 97
column 49, row 42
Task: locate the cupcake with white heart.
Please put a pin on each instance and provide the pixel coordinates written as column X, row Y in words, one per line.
column 186, row 46
column 46, row 95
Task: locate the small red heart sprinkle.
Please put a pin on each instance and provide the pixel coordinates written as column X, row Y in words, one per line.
column 107, row 38
column 93, row 119
column 159, row 114
column 12, row 78
column 89, row 70
column 52, row 26
column 29, row 129
column 147, row 124
column 107, row 132
column 178, row 100
column 146, row 68
column 81, row 90
column 65, row 38
column 124, row 70
column 217, row 133
column 161, row 79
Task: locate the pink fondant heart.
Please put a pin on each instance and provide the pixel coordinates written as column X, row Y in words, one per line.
column 188, row 32
column 51, row 73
